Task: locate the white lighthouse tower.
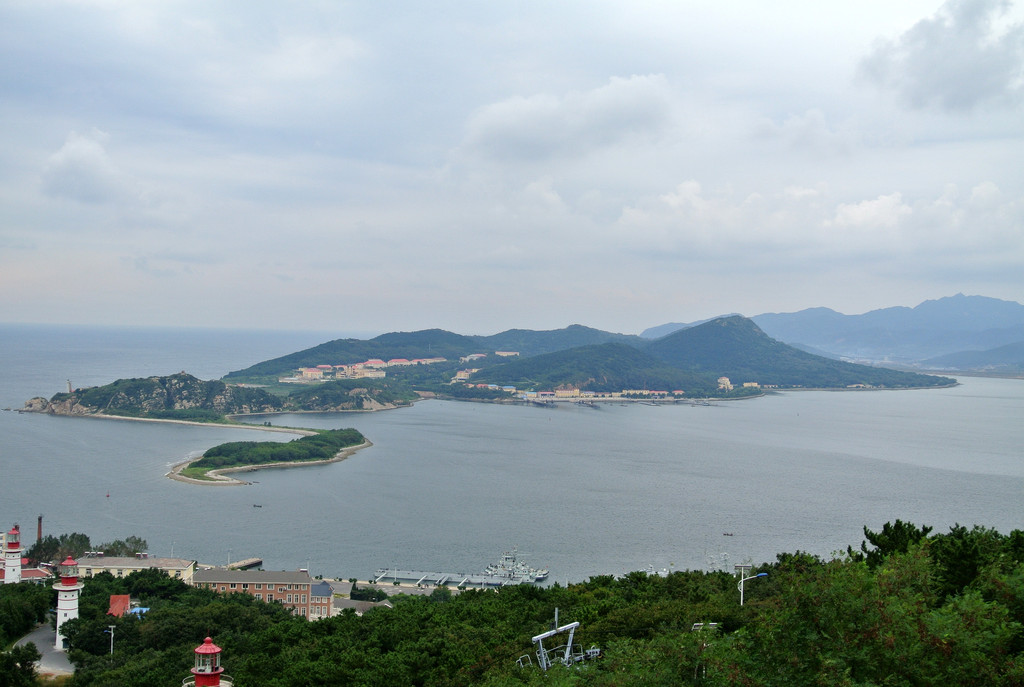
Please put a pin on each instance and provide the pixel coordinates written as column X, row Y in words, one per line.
column 67, row 598
column 12, row 556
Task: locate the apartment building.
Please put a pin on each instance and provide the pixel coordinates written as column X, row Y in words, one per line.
column 291, row 588
column 122, row 566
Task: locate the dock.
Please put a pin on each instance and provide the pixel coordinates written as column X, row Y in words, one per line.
column 246, row 564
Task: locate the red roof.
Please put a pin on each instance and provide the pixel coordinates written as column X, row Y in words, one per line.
column 30, row 574
column 119, row 604
column 208, row 647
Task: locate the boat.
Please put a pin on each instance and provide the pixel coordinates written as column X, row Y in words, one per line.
column 510, row 565
column 509, row 570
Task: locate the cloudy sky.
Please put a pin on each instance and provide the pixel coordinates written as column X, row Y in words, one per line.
column 477, row 166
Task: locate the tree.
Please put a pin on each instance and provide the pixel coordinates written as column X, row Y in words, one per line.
column 894, row 538
column 21, row 607
column 129, row 546
column 52, row 549
column 18, row 666
column 962, row 553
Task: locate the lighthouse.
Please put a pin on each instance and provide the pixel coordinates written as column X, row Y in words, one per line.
column 67, row 597
column 12, row 556
column 208, row 672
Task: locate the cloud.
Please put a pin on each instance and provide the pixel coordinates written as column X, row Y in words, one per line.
column 540, row 127
column 883, row 212
column 958, row 59
column 81, row 170
column 809, row 132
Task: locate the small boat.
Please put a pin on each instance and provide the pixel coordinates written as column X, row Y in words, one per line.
column 257, row 505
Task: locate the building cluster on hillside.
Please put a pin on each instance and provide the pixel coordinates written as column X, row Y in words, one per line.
column 725, row 384
column 374, row 368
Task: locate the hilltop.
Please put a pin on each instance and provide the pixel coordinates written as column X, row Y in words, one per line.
column 968, row 333
column 179, row 396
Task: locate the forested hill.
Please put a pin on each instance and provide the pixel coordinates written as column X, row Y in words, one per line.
column 179, row 396
column 602, row 368
column 735, row 347
column 690, row 359
column 421, row 344
column 430, row 343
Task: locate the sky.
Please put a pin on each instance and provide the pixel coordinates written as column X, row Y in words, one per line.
column 398, row 165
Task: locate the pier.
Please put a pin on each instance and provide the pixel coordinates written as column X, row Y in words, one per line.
column 245, row 564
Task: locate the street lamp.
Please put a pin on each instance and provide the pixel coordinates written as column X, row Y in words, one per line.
column 744, row 579
column 111, row 633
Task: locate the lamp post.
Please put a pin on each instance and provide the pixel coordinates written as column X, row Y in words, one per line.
column 111, row 633
column 744, row 579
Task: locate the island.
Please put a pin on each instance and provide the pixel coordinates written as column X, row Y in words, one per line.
column 317, row 447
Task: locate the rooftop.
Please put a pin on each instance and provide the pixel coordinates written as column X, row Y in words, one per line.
column 275, row 576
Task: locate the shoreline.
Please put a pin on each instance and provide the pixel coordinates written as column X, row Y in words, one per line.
column 220, row 478
column 194, row 423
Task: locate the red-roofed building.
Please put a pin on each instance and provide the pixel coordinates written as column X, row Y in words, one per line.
column 120, row 604
column 36, row 575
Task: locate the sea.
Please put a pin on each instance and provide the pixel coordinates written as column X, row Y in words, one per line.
column 448, row 486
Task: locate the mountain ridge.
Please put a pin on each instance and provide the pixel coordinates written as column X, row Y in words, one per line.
column 909, row 336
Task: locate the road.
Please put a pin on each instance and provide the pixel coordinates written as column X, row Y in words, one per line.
column 53, row 662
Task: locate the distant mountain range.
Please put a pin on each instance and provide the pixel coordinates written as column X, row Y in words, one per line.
column 957, row 333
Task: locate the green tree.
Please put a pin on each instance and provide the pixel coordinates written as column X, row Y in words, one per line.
column 18, row 666
column 51, row 549
column 893, row 538
column 962, row 553
column 22, row 606
column 129, row 546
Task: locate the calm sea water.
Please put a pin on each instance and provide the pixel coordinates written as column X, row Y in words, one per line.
column 448, row 486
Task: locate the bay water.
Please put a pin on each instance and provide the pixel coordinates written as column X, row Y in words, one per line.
column 448, row 486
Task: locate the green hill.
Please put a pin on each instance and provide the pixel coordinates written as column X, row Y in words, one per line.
column 179, row 396
column 529, row 343
column 690, row 359
column 601, row 367
column 735, row 347
column 431, row 343
column 421, row 344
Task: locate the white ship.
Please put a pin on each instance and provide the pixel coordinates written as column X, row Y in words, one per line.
column 508, row 570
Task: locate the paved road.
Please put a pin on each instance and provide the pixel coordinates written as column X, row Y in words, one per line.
column 53, row 662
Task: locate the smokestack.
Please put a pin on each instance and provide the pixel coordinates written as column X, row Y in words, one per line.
column 39, row 530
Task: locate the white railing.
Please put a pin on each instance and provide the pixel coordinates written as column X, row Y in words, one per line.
column 225, row 681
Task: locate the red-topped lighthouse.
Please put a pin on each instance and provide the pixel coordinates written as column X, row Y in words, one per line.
column 67, row 597
column 208, row 671
column 12, row 556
